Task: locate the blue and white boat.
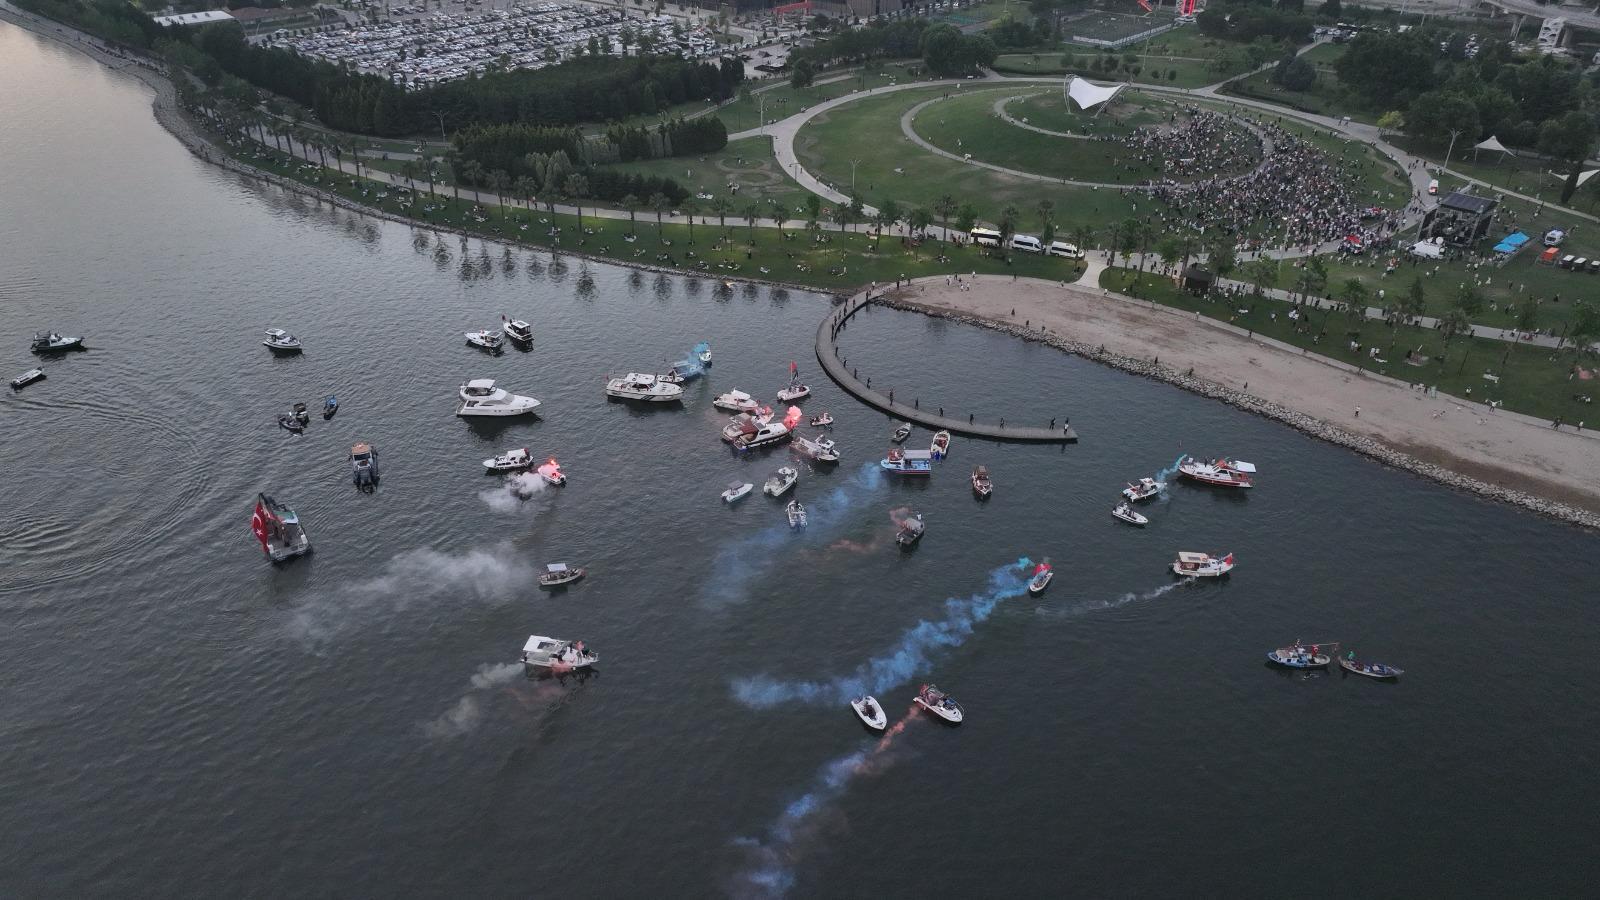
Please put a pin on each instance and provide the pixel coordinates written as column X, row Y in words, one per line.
column 1303, row 656
column 702, row 352
column 908, row 462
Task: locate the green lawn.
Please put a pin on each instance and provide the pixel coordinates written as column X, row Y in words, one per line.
column 1177, row 72
column 1327, row 96
column 747, row 164
column 1532, row 380
column 1047, row 109
column 1508, row 172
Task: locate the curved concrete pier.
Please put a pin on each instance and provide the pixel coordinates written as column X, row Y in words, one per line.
column 828, row 356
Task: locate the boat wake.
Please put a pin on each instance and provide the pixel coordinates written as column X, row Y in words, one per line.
column 1078, row 609
column 771, row 860
column 906, row 659
column 511, row 494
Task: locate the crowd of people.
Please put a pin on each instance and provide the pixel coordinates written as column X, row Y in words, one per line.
column 1194, row 142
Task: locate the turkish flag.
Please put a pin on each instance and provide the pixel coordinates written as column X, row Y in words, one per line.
column 258, row 524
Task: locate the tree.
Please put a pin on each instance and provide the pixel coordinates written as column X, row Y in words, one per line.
column 659, row 203
column 1223, row 259
column 1569, row 138
column 1083, row 236
column 1169, row 248
column 690, row 207
column 722, row 206
column 1047, row 214
column 891, row 212
column 1312, row 278
column 1469, row 301
column 945, row 206
column 1585, row 327
column 1415, row 302
column 919, row 219
column 1454, row 322
column 1331, row 10
column 966, row 218
column 1262, row 273
column 499, row 182
column 752, row 212
column 1384, row 68
column 813, row 211
column 630, row 203
column 1435, row 114
column 1128, row 240
column 803, row 73
column 1294, row 73
column 1008, row 227
column 1353, row 297
column 843, row 215
column 577, row 187
column 1391, row 121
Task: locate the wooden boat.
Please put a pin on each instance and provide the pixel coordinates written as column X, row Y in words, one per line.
column 940, row 704
column 1369, row 669
column 558, row 574
column 982, row 487
column 1041, row 578
column 26, row 378
column 940, row 448
column 900, row 433
column 1126, row 513
column 870, row 711
column 1302, row 656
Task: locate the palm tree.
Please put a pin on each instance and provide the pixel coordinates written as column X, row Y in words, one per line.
column 659, row 203
column 577, row 187
column 752, row 211
column 919, row 220
column 1169, row 248
column 631, row 204
column 1008, row 227
column 499, row 181
column 722, row 206
column 779, row 214
column 946, row 207
column 1262, row 273
column 1454, row 322
column 690, row 207
column 471, row 172
column 1047, row 215
column 408, row 171
column 525, row 186
column 1353, row 297
column 813, row 211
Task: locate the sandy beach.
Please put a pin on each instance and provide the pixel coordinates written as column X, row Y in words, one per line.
column 1504, row 449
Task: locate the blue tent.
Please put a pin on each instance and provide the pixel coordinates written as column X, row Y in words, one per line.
column 1511, row 243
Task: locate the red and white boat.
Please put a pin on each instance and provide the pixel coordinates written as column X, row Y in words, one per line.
column 1222, row 472
column 551, row 472
column 1201, row 565
column 748, row 432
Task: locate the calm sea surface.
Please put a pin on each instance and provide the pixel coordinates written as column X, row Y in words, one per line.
column 182, row 719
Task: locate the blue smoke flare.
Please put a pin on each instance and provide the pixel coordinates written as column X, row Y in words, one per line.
column 1166, row 475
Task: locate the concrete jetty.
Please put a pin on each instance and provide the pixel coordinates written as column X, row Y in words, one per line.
column 828, row 356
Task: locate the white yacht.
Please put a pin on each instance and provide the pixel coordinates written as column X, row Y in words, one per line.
column 736, row 401
column 517, row 330
column 649, row 388
column 480, row 397
column 509, row 461
column 780, row 482
column 556, row 655
column 280, row 341
column 485, row 339
column 819, row 450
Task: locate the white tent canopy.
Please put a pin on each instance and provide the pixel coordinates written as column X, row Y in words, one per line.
column 1493, row 143
column 1585, row 176
column 1089, row 95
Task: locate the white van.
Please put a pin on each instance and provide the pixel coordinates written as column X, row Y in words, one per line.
column 1026, row 242
column 1062, row 248
column 988, row 237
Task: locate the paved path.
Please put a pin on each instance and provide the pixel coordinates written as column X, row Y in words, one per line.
column 1008, row 118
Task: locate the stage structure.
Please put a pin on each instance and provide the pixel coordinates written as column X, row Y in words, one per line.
column 1089, row 95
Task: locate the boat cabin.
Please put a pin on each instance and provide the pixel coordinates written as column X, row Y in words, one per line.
column 479, row 387
column 1190, row 562
column 898, row 455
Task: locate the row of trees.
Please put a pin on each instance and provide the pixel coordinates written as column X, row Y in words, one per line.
column 507, row 147
column 1247, row 20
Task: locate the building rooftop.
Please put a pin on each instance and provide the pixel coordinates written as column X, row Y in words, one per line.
column 1462, row 201
column 195, row 18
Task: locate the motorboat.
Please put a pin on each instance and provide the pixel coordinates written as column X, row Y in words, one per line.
column 797, row 514
column 510, row 461
column 280, row 341
column 736, row 401
column 818, row 449
column 1221, row 472
column 982, row 487
column 1042, row 574
column 821, row 421
column 278, row 529
column 1302, row 656
column 330, row 405
column 780, row 482
column 1200, row 565
column 644, row 387
column 480, row 397
column 1349, row 663
column 702, row 352
column 51, row 342
column 749, row 433
column 907, row 462
column 364, row 466
column 1145, row 489
column 517, row 330
column 26, row 378
column 557, row 656
column 939, row 703
column 870, row 711
column 940, row 448
column 737, row 490
column 485, row 340
column 289, row 423
column 551, row 472
column 900, row 433
column 1126, row 513
column 301, row 413
column 558, row 574
column 683, row 370
column 793, row 392
column 911, row 529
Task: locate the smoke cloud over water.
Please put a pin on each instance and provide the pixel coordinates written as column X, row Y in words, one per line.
column 904, row 661
column 511, row 494
column 466, row 714
column 1089, row 606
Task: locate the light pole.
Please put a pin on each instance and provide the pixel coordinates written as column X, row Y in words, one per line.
column 1454, row 133
column 853, row 164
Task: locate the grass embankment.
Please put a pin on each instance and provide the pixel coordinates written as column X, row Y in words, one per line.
column 747, row 164
column 1046, row 109
column 1532, row 380
column 1182, row 57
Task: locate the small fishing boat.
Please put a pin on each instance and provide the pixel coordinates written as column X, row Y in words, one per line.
column 870, row 712
column 797, row 514
column 364, row 466
column 558, row 574
column 1042, row 574
column 702, row 352
column 737, row 490
column 940, row 448
column 26, row 378
column 330, row 405
column 780, row 482
column 551, row 472
column 643, row 387
column 795, row 390
column 289, row 423
column 907, row 462
column 1221, row 472
column 485, row 340
column 1200, row 565
column 1349, row 663
column 818, row 449
column 517, row 330
column 51, row 342
column 982, row 487
column 1126, row 513
column 940, row 704
column 1302, row 656
column 510, row 461
column 911, row 529
column 280, row 341
column 736, row 401
column 555, row 655
column 1144, row 489
column 821, row 421
column 480, row 397
column 278, row 529
column 900, row 433
column 301, row 413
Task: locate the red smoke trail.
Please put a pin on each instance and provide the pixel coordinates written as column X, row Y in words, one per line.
column 853, row 546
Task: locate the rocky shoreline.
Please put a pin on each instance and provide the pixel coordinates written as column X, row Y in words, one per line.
column 1299, row 421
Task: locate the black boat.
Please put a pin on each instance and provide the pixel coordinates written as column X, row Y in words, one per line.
column 330, row 405
column 290, row 423
column 302, row 414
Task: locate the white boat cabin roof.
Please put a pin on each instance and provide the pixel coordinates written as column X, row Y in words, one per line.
column 637, row 378
column 736, row 485
column 1240, row 466
column 481, row 384
column 538, row 643
column 1187, row 557
column 917, row 454
column 556, row 568
column 738, row 395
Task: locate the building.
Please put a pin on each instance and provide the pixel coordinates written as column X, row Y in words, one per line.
column 1461, row 219
column 196, row 18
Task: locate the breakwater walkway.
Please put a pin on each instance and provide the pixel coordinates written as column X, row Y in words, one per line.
column 828, row 356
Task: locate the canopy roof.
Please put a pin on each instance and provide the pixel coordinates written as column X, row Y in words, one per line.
column 1493, row 143
column 1089, row 95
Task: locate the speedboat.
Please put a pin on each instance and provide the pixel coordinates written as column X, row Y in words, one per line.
column 1126, row 513
column 780, row 482
column 278, row 529
column 517, row 330
column 940, row 448
column 510, row 460
column 51, row 342
column 1200, row 565
column 364, row 466
column 870, row 712
column 794, row 391
column 702, row 352
column 330, row 405
column 736, row 401
column 907, row 462
column 558, row 574
column 818, row 449
column 911, row 529
column 939, row 703
column 648, row 388
column 900, row 433
column 557, row 656
column 797, row 514
column 551, row 472
column 280, row 341
column 1300, row 656
column 683, row 370
column 737, row 490
column 982, row 487
column 26, row 378
column 1041, row 578
column 479, row 397
column 1144, row 490
column 289, row 423
column 485, row 339
column 1379, row 671
column 748, row 433
column 822, row 421
column 301, row 413
column 1221, row 472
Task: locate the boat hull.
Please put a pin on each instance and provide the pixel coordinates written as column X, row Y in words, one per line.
column 465, row 411
column 878, row 721
column 953, row 716
column 1378, row 672
column 909, row 469
column 1177, row 569
column 1291, row 661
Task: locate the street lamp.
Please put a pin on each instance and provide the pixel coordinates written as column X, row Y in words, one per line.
column 1454, row 133
column 853, row 164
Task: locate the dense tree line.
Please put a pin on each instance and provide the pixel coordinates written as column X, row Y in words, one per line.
column 680, row 137
column 946, row 51
column 899, row 39
column 1246, row 20
column 509, row 148
column 114, row 20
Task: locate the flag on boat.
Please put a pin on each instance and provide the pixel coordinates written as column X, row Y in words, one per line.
column 1228, row 560
column 258, row 524
column 1146, row 5
column 793, row 369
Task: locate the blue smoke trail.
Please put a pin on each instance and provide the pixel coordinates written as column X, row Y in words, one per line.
column 742, row 561
column 907, row 658
column 1166, row 475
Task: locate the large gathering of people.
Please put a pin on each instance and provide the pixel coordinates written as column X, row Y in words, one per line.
column 1194, row 142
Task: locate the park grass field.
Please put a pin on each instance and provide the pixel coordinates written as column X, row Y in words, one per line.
column 1184, row 73
column 743, row 172
column 1048, row 109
